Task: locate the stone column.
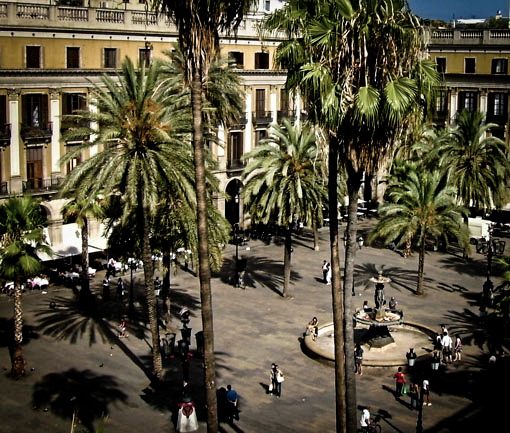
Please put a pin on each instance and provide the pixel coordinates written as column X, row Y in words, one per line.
column 55, row 134
column 297, row 107
column 15, row 183
column 93, row 126
column 483, row 102
column 248, row 133
column 454, row 101
column 272, row 104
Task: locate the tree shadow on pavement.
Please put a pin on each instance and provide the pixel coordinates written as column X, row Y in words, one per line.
column 167, row 394
column 7, row 334
column 71, row 321
column 491, row 332
column 400, row 278
column 260, row 271
column 472, row 268
column 83, row 393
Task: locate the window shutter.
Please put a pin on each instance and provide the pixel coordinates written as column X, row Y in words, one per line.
column 43, row 113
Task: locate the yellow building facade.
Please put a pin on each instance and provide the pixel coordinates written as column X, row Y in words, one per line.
column 50, row 56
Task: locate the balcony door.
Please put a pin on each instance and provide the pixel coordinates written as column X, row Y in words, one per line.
column 35, row 167
column 260, row 102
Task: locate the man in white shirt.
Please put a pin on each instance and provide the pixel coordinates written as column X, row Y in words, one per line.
column 365, row 419
column 447, row 344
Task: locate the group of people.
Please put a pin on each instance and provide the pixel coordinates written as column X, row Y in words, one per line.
column 413, row 391
column 444, row 345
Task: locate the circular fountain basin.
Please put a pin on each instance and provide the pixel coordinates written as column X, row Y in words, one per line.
column 405, row 335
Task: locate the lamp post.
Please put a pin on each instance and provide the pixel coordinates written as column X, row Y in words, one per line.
column 236, row 239
column 419, row 423
column 132, row 267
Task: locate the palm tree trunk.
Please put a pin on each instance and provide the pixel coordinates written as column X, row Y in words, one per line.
column 350, row 255
column 167, row 266
column 421, row 265
column 18, row 360
column 338, row 310
column 286, row 262
column 85, row 285
column 204, row 270
column 148, row 274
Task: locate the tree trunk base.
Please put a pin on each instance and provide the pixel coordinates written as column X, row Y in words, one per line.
column 18, row 363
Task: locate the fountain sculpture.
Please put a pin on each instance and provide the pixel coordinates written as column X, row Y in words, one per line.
column 379, row 319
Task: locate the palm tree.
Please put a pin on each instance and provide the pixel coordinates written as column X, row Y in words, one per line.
column 22, row 238
column 145, row 152
column 284, row 178
column 82, row 212
column 357, row 65
column 199, row 23
column 423, row 206
column 476, row 162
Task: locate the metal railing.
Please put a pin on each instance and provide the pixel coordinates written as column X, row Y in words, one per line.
column 262, row 117
column 42, row 185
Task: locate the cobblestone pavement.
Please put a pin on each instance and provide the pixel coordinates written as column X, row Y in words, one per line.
column 70, row 355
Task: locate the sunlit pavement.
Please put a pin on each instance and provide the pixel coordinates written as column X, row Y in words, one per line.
column 253, row 328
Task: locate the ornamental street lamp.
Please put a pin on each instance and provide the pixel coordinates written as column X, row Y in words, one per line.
column 494, row 247
column 132, row 266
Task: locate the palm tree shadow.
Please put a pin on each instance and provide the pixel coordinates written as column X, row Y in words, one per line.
column 491, row 332
column 259, row 271
column 83, row 393
column 7, row 334
column 166, row 395
column 72, row 321
column 400, row 278
column 473, row 268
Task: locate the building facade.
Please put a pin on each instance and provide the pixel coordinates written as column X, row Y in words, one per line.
column 474, row 64
column 52, row 54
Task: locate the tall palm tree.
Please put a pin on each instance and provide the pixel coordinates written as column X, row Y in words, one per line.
column 22, row 238
column 357, row 65
column 146, row 151
column 476, row 162
column 285, row 177
column 82, row 212
column 199, row 23
column 423, row 206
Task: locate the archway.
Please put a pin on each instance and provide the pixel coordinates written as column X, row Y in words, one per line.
column 233, row 204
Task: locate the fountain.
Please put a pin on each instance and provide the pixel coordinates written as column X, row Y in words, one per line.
column 379, row 318
column 381, row 331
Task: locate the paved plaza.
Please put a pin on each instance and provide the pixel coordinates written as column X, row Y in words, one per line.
column 72, row 355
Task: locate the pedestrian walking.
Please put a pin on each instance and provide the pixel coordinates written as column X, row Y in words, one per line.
column 358, row 359
column 325, row 266
column 392, row 305
column 120, row 288
column 328, row 275
column 232, row 400
column 277, row 379
column 447, row 343
column 425, row 389
column 400, row 381
column 123, row 328
column 414, row 394
column 457, row 349
column 106, row 289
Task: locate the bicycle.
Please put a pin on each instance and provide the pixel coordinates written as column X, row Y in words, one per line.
column 373, row 427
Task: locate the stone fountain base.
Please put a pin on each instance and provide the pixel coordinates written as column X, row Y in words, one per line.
column 377, row 337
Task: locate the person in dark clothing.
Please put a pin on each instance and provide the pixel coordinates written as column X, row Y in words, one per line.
column 232, row 400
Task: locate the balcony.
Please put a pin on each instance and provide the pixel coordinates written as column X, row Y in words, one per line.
column 5, row 135
column 286, row 114
column 235, row 164
column 468, row 36
column 35, row 136
column 238, row 123
column 262, row 117
column 131, row 16
column 42, row 185
column 4, row 188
